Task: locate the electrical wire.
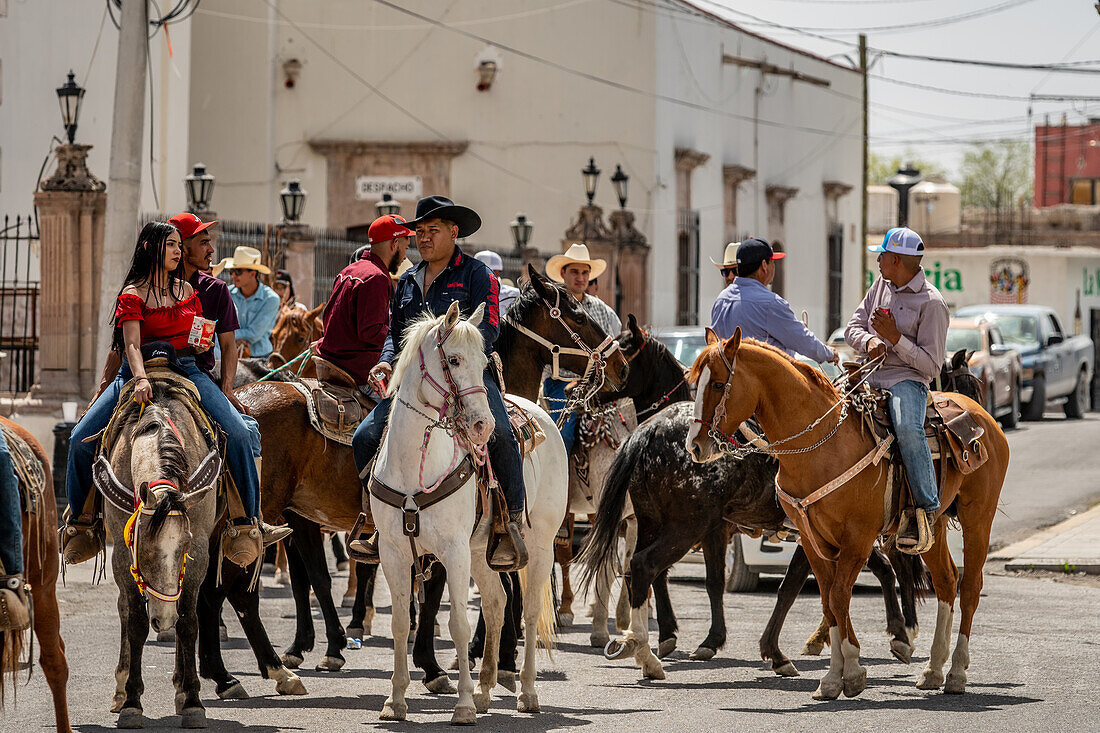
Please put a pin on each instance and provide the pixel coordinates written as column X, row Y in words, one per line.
column 152, row 171
column 904, row 27
column 1070, row 67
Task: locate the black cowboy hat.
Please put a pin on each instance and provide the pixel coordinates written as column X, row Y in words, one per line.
column 441, row 207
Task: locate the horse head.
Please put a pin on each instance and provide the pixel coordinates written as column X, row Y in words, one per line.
column 573, row 320
column 295, row 330
column 955, row 376
column 722, row 401
column 450, row 355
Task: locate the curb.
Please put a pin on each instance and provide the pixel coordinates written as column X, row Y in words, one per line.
column 1017, row 555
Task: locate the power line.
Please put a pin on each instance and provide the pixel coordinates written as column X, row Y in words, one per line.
column 911, row 26
column 1071, row 67
column 945, row 90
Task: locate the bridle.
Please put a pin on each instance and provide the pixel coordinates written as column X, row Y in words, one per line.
column 130, row 537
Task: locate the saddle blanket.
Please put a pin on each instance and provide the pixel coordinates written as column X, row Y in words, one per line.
column 28, row 469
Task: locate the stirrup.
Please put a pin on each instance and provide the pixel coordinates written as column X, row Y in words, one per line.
column 365, row 549
column 924, row 540
column 81, row 539
column 508, row 552
column 15, row 609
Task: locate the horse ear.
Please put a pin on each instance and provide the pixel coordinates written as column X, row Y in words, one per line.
column 479, row 313
column 192, row 499
column 734, row 343
column 147, row 497
column 632, row 324
column 712, row 337
column 960, row 359
column 452, row 316
column 316, row 312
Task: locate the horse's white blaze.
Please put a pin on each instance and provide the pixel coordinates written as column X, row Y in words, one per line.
column 701, row 389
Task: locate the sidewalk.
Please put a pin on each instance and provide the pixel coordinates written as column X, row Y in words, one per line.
column 1072, row 545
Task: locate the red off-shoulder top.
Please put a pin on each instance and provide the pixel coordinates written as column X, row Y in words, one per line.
column 171, row 323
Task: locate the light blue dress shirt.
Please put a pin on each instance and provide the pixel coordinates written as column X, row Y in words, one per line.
column 257, row 315
column 764, row 316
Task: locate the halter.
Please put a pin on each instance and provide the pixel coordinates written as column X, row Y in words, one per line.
column 130, row 537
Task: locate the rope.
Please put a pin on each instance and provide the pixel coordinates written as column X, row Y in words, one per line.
column 295, row 360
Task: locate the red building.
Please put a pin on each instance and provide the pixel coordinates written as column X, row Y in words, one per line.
column 1067, row 164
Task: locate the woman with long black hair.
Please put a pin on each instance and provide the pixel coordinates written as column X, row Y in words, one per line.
column 154, row 305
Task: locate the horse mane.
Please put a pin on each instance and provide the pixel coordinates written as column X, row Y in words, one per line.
column 466, row 336
column 172, row 501
column 813, row 374
column 173, row 457
column 521, row 310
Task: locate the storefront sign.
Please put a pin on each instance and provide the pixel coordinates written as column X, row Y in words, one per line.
column 400, row 187
column 944, row 278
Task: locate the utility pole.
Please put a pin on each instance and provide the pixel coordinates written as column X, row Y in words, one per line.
column 124, row 178
column 866, row 160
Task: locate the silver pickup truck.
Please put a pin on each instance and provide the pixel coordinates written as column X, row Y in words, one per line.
column 1056, row 367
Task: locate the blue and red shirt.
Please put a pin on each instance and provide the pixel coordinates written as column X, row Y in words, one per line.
column 465, row 280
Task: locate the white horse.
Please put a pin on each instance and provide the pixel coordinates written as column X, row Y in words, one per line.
column 421, row 389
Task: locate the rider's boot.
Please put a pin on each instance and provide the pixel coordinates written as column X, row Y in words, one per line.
column 365, row 549
column 81, row 538
column 15, row 611
column 915, row 535
column 510, row 552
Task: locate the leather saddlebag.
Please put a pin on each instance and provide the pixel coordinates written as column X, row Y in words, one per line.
column 963, row 434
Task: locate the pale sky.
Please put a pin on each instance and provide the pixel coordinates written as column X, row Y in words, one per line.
column 931, row 124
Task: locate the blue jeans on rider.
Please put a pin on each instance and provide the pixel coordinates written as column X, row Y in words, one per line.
column 907, row 405
column 503, row 447
column 554, row 389
column 242, row 438
column 11, row 516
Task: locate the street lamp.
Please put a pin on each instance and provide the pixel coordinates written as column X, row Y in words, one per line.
column 521, row 231
column 199, row 186
column 906, row 177
column 387, row 206
column 69, row 96
column 293, row 198
column 590, row 173
column 619, row 180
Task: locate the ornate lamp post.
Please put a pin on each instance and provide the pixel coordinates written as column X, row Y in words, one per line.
column 69, row 96
column 619, row 180
column 293, row 199
column 590, row 173
column 387, row 206
column 906, row 177
column 521, row 232
column 199, row 186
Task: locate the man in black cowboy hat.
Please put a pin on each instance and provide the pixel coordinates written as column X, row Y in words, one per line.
column 445, row 275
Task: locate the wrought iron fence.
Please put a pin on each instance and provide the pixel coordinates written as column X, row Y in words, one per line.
column 19, row 289
column 687, row 289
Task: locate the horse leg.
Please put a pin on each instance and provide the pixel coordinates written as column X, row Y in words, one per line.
column 849, row 566
column 362, row 613
column 646, row 564
column 563, row 553
column 457, row 561
column 304, row 634
column 135, row 629
column 282, row 566
column 185, row 677
column 435, row 679
column 910, row 571
column 599, row 636
column 395, row 566
column 308, row 545
column 246, row 603
column 510, row 631
column 538, row 607
column 47, row 627
column 945, row 577
column 622, row 607
column 352, row 590
column 797, row 572
column 209, row 610
column 667, row 624
column 338, row 551
column 895, row 624
column 975, row 548
column 832, row 684
column 490, row 621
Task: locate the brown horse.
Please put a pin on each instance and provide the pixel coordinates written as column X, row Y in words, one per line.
column 40, row 563
column 295, row 329
column 794, row 404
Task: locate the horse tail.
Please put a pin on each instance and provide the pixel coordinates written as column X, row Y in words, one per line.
column 545, row 633
column 911, row 571
column 601, row 544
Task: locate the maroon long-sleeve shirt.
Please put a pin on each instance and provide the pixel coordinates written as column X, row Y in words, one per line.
column 357, row 316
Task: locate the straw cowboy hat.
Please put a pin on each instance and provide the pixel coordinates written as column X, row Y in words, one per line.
column 244, row 258
column 577, row 254
column 729, row 257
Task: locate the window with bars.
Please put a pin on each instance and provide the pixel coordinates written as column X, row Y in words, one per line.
column 836, row 277
column 687, row 283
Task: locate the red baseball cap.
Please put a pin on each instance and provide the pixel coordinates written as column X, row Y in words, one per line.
column 189, row 225
column 388, row 227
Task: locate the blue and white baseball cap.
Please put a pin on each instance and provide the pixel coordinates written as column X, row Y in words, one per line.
column 900, row 241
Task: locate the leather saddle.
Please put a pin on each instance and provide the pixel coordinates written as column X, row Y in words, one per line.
column 339, row 404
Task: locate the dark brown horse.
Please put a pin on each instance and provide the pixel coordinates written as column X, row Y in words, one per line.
column 789, row 400
column 40, row 564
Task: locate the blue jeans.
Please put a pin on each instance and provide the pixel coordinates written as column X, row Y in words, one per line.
column 503, row 447
column 907, row 404
column 11, row 517
column 554, row 389
column 242, row 438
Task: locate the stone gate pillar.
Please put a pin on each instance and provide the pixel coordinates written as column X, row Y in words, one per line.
column 301, row 248
column 71, row 208
column 633, row 267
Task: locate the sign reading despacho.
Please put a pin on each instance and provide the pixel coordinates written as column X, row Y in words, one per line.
column 400, row 187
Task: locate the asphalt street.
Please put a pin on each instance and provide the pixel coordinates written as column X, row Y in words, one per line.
column 1033, row 652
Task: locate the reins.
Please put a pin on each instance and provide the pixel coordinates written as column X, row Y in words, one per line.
column 304, row 355
column 130, row 537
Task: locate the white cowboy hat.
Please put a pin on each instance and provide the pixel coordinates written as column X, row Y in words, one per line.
column 576, row 254
column 244, row 258
column 729, row 257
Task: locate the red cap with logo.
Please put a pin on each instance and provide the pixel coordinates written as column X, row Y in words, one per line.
column 189, row 225
column 388, row 227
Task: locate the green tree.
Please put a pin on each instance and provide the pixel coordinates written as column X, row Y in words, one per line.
column 997, row 175
column 880, row 168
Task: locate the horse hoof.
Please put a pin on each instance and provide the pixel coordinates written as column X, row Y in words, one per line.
column 666, row 647
column 812, row 648
column 528, row 702
column 441, row 685
column 565, row 620
column 342, row 565
column 955, row 685
column 235, row 691
column 598, row 640
column 507, row 680
column 652, row 669
column 193, row 718
column 930, row 680
column 292, row 685
column 347, row 602
column 354, row 632
column 169, row 635
column 856, row 684
column 703, row 654
column 292, row 661
column 464, row 716
column 130, row 718
column 901, row 651
column 481, row 702
column 394, row 711
column 828, row 689
column 911, row 632
column 619, row 648
column 787, row 669
column 282, row 577
column 118, row 703
column 330, row 664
